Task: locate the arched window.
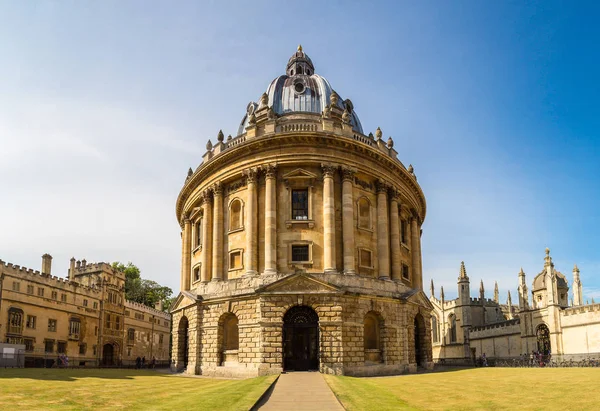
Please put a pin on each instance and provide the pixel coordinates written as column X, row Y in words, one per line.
column 435, row 336
column 15, row 321
column 364, row 213
column 235, row 215
column 543, row 339
column 452, row 323
column 372, row 337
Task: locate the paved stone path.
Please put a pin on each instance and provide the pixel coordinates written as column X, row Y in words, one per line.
column 301, row 391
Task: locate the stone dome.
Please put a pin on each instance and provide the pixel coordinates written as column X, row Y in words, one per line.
column 300, row 90
column 539, row 282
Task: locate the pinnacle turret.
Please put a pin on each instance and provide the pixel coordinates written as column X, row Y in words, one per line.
column 432, row 289
column 496, row 294
column 463, row 272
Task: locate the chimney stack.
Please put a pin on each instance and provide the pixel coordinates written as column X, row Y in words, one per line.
column 72, row 269
column 46, row 264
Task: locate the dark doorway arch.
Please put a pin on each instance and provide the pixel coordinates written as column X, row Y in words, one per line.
column 108, row 355
column 420, row 338
column 182, row 342
column 300, row 339
column 543, row 339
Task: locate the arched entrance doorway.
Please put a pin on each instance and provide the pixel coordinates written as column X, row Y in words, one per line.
column 300, row 339
column 182, row 342
column 543, row 339
column 108, row 355
column 420, row 335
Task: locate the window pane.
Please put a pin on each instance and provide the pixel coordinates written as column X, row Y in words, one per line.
column 300, row 253
column 300, row 204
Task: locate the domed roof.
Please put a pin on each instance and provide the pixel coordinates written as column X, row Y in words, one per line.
column 539, row 282
column 301, row 90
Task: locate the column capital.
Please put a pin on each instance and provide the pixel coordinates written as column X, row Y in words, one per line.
column 185, row 219
column 251, row 175
column 270, row 170
column 328, row 169
column 217, row 189
column 348, row 174
column 205, row 196
column 381, row 186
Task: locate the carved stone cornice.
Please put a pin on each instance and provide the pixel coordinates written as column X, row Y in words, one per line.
column 235, row 186
column 364, row 184
column 328, row 170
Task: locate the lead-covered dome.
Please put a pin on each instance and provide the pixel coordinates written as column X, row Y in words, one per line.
column 300, row 90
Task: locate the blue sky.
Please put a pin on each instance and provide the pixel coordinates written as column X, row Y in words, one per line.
column 105, row 105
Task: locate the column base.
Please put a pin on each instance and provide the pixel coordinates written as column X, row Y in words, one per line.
column 350, row 272
column 384, row 277
column 330, row 271
column 270, row 271
column 216, row 279
column 251, row 273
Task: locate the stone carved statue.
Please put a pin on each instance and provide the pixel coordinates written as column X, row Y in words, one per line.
column 346, row 117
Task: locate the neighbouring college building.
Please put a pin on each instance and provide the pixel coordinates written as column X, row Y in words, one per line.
column 301, row 244
column 84, row 317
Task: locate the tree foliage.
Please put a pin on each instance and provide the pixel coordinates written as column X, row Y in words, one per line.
column 143, row 291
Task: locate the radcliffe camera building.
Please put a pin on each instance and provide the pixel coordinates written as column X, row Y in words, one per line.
column 84, row 317
column 301, row 243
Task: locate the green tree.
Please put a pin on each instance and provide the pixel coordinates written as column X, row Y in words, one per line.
column 143, row 291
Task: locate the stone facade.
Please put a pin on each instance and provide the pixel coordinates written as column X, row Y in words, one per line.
column 466, row 328
column 301, row 232
column 84, row 316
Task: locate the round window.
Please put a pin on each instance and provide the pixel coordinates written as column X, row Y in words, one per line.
column 299, row 87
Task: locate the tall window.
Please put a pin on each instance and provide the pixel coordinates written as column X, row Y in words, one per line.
column 31, row 320
column 28, row 344
column 74, row 328
column 52, row 325
column 365, row 258
column 371, row 337
column 235, row 215
column 403, row 231
column 130, row 334
column 15, row 321
column 196, row 275
column 364, row 213
column 49, row 345
column 117, row 322
column 16, row 286
column 82, row 349
column 107, row 321
column 434, row 329
column 54, row 295
column 300, row 204
column 198, row 237
column 40, row 292
column 452, row 323
column 235, row 260
column 62, row 347
column 405, row 272
column 30, row 289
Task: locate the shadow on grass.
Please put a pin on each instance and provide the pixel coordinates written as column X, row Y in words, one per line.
column 66, row 374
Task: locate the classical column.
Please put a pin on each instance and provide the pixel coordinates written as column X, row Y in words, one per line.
column 383, row 242
column 395, row 239
column 205, row 255
column 270, row 219
column 328, row 219
column 187, row 252
column 251, row 224
column 217, row 243
column 415, row 248
column 348, row 220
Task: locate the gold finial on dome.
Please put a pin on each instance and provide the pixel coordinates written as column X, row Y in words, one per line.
column 299, row 47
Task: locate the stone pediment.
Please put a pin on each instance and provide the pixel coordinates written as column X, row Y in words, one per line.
column 418, row 297
column 299, row 284
column 299, row 173
column 184, row 299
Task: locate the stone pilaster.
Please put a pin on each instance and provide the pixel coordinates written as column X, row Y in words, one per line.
column 415, row 231
column 217, row 243
column 206, row 253
column 348, row 220
column 251, row 252
column 270, row 219
column 328, row 218
column 383, row 243
column 186, row 268
column 395, row 239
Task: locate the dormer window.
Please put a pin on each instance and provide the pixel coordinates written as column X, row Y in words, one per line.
column 300, row 71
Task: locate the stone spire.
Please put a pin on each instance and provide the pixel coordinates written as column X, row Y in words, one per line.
column 481, row 290
column 432, row 289
column 496, row 296
column 523, row 297
column 442, row 293
column 463, row 272
column 509, row 303
column 548, row 259
column 577, row 287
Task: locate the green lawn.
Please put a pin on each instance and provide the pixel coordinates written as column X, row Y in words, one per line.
column 79, row 389
column 474, row 389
